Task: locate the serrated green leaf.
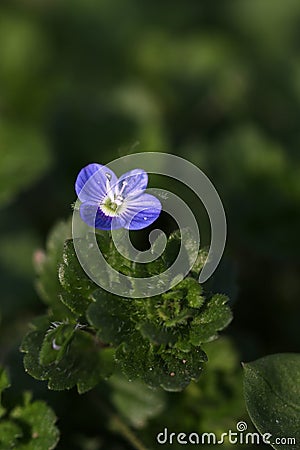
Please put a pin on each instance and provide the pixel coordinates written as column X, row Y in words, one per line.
column 48, row 284
column 87, row 248
column 185, row 238
column 135, row 401
column 75, row 302
column 71, row 275
column 56, row 343
column 115, row 258
column 31, row 346
column 191, row 290
column 83, row 362
column 157, row 334
column 111, row 316
column 272, row 394
column 214, row 317
column 134, row 357
column 170, row 369
column 181, row 368
column 39, row 423
column 28, row 426
column 171, row 310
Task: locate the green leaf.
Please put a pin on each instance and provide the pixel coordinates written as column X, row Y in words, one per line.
column 135, row 401
column 188, row 289
column 170, row 369
column 28, row 426
column 199, row 263
column 71, row 275
column 113, row 258
column 176, row 239
column 66, row 357
column 215, row 316
column 134, row 357
column 39, row 425
column 272, row 394
column 180, row 368
column 157, row 334
column 111, row 316
column 114, row 254
column 48, row 284
column 56, row 343
column 75, row 302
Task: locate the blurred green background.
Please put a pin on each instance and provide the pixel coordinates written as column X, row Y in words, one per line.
column 217, row 83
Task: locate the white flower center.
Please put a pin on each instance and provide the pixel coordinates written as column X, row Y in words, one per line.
column 112, row 203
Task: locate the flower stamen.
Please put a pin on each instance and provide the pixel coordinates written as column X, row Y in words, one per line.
column 108, row 187
column 124, row 184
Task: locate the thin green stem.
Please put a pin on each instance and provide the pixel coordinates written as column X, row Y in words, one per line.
column 121, row 427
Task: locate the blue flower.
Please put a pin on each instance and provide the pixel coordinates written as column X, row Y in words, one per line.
column 111, row 203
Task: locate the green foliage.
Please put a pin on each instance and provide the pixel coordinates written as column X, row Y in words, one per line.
column 272, row 394
column 66, row 355
column 213, row 404
column 26, row 426
column 156, row 340
column 47, row 266
column 62, row 283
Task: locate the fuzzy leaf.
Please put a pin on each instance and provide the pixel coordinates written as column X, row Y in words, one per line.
column 111, row 316
column 169, row 369
column 48, row 284
column 181, row 368
column 75, row 302
column 79, row 361
column 272, row 394
column 134, row 357
column 71, row 275
column 56, row 344
column 157, row 334
column 173, row 246
column 215, row 316
column 188, row 289
column 28, row 426
column 39, row 426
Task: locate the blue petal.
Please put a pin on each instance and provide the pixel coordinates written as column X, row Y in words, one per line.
column 136, row 179
column 91, row 182
column 140, row 211
column 93, row 216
